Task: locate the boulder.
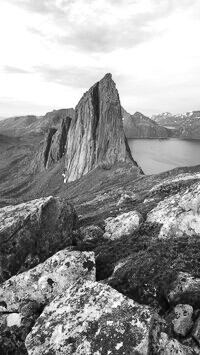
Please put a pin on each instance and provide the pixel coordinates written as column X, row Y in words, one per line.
column 96, row 136
column 123, row 224
column 164, row 344
column 91, row 319
column 48, row 279
column 185, row 289
column 30, row 232
column 24, row 296
column 178, row 214
column 182, row 321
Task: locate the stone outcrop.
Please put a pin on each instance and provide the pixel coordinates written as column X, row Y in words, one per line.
column 96, row 136
column 182, row 321
column 179, row 214
column 91, row 319
column 24, row 296
column 185, row 289
column 122, row 225
column 45, row 281
column 32, row 231
column 140, row 126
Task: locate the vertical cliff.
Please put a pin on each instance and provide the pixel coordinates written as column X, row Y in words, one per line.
column 58, row 143
column 96, row 136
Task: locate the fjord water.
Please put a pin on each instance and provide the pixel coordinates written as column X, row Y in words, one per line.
column 158, row 155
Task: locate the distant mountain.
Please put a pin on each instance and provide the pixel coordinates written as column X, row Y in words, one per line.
column 31, row 124
column 140, row 126
column 185, row 125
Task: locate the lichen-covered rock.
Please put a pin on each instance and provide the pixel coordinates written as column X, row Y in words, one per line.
column 92, row 319
column 178, row 215
column 185, row 289
column 24, row 296
column 196, row 330
column 123, row 224
column 163, row 344
column 48, row 279
column 96, row 136
column 182, row 321
column 32, row 231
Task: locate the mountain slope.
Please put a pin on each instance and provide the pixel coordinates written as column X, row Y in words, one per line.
column 185, row 125
column 30, row 124
column 140, row 126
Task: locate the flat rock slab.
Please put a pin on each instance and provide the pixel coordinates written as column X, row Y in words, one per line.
column 91, row 319
column 32, row 231
column 178, row 215
column 123, row 224
column 48, row 279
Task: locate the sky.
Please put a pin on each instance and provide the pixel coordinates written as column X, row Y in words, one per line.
column 52, row 51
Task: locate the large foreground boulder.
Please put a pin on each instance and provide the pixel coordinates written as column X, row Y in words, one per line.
column 48, row 279
column 91, row 319
column 24, row 296
column 33, row 231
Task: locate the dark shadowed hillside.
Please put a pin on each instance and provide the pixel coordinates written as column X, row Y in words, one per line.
column 140, row 126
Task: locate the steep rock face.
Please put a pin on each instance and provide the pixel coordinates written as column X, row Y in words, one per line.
column 32, row 231
column 140, row 126
column 52, row 149
column 58, row 143
column 96, row 134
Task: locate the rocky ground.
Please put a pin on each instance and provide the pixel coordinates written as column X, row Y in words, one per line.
column 137, row 238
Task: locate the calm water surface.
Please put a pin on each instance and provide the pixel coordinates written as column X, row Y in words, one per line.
column 158, row 155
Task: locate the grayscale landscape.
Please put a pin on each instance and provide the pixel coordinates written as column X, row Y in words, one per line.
column 99, row 182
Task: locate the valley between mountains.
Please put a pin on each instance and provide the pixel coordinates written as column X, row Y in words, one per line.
column 108, row 262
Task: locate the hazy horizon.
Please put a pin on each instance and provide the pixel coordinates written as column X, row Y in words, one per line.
column 53, row 51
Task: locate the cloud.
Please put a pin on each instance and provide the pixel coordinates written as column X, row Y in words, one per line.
column 12, row 70
column 98, row 26
column 71, row 76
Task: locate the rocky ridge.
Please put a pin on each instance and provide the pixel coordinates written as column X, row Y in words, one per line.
column 185, row 125
column 140, row 126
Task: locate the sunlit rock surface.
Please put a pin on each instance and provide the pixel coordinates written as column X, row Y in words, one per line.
column 92, row 319
column 122, row 225
column 48, row 279
column 179, row 215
